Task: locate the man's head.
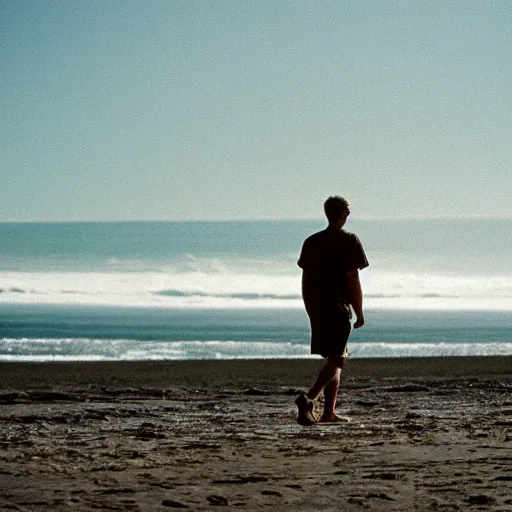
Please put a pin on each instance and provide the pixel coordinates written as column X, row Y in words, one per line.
column 336, row 210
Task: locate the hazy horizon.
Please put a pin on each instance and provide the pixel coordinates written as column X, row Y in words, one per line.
column 247, row 220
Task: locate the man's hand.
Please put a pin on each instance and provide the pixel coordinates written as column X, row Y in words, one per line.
column 359, row 322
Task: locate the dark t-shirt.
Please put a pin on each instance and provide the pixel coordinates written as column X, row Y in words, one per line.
column 326, row 258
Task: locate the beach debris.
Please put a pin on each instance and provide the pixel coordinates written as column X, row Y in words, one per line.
column 290, row 391
column 54, row 396
column 358, row 500
column 199, row 445
column 242, row 479
column 504, row 423
column 481, row 499
column 380, row 495
column 174, row 504
column 10, row 397
column 267, row 492
column 383, row 476
column 149, row 431
column 430, row 439
column 124, row 490
column 94, row 414
column 406, row 388
column 209, row 406
column 293, row 486
column 367, row 403
column 416, row 427
column 256, row 392
column 216, row 499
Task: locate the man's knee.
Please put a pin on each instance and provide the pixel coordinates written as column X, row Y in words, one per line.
column 336, row 361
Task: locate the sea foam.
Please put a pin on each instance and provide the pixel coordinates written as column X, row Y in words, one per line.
column 41, row 350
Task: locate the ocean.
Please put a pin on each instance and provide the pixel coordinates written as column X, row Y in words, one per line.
column 220, row 290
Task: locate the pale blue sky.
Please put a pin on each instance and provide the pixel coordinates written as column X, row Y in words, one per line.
column 117, row 110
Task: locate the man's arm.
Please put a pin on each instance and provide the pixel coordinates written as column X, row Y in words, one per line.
column 356, row 296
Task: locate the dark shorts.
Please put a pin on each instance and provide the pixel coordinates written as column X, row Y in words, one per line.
column 330, row 328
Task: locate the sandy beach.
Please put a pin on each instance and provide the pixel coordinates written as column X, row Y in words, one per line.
column 426, row 434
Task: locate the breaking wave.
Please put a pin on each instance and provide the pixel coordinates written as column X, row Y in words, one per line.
column 236, row 288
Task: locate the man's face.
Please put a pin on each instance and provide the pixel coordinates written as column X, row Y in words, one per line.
column 344, row 217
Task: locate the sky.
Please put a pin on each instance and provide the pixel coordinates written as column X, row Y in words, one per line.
column 213, row 110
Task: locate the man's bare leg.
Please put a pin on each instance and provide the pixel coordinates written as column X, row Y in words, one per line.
column 331, row 371
column 305, row 403
column 328, row 380
column 331, row 393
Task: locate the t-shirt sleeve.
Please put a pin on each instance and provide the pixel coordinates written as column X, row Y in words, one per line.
column 358, row 259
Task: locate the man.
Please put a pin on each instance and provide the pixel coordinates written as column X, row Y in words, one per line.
column 330, row 262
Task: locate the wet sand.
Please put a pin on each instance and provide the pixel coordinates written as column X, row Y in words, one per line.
column 426, row 434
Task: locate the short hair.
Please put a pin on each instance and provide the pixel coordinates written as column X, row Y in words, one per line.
column 335, row 207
